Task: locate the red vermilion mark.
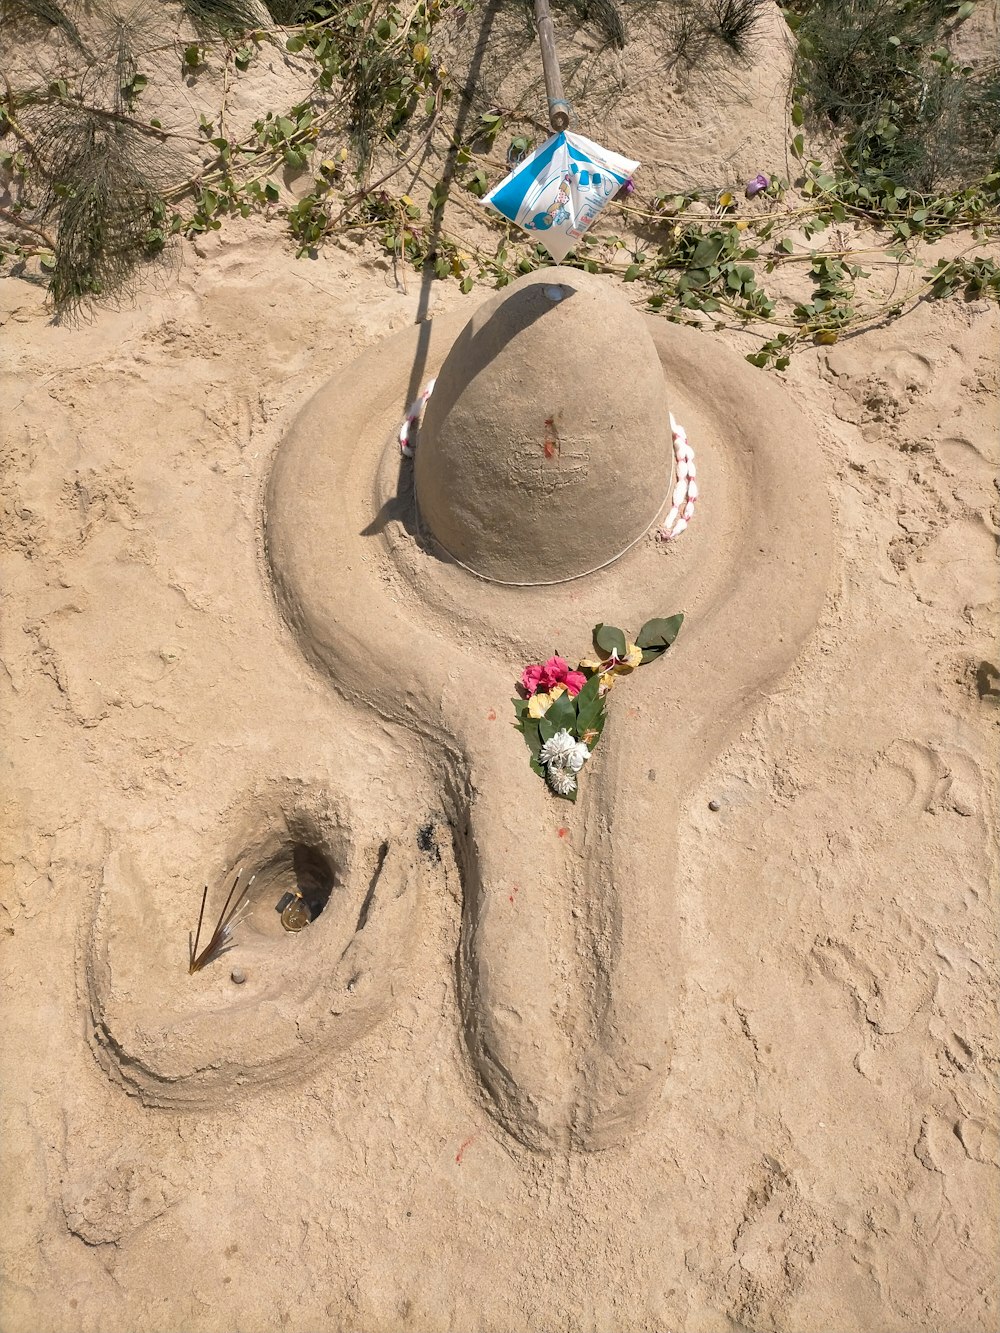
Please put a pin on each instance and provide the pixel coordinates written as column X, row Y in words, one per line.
column 563, row 832
column 491, row 716
column 514, row 891
column 458, row 1155
column 552, row 443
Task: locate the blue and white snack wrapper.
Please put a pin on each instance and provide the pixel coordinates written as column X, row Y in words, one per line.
column 557, row 193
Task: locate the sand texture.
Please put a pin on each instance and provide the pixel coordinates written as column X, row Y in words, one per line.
column 633, row 1064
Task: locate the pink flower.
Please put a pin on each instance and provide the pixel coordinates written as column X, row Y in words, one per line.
column 575, row 681
column 543, row 676
column 556, row 670
column 531, row 677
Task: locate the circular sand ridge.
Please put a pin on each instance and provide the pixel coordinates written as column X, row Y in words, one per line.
column 545, row 449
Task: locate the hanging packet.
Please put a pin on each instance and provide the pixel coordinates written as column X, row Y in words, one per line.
column 558, row 192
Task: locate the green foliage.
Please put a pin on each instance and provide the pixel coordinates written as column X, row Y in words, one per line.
column 972, row 277
column 229, row 17
column 656, row 636
column 44, row 11
column 90, row 201
column 604, row 15
column 734, row 23
column 609, row 639
column 879, row 73
column 107, row 209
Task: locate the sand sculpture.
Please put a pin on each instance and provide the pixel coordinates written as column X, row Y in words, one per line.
column 544, row 454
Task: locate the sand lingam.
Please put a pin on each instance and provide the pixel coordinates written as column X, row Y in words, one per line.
column 545, row 448
column 421, row 588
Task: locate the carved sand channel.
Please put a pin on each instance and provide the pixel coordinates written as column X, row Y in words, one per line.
column 568, row 963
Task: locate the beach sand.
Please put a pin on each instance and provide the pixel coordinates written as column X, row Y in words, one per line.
column 824, row 1151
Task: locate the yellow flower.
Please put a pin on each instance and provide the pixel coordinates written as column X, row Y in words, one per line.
column 633, row 655
column 538, row 704
column 591, row 664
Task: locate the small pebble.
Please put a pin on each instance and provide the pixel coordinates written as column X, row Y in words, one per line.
column 715, row 805
column 237, row 976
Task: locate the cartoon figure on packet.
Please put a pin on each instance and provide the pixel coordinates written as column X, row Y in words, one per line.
column 557, row 212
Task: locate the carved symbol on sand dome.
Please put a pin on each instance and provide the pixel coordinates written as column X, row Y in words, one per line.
column 535, row 470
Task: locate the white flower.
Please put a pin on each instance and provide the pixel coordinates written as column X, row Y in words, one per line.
column 560, row 779
column 579, row 756
column 558, row 750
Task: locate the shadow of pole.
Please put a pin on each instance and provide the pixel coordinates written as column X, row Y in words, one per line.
column 437, row 216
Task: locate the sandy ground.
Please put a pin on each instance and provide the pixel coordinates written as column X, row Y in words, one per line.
column 824, row 1154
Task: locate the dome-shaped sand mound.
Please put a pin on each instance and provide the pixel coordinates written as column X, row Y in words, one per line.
column 545, row 449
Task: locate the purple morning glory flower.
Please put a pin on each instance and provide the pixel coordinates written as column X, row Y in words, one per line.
column 757, row 186
column 627, row 189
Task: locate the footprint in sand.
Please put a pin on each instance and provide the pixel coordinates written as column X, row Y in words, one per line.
column 958, row 566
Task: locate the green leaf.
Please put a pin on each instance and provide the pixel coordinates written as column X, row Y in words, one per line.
column 631, row 273
column 562, row 713
column 546, row 728
column 588, row 695
column 537, row 768
column 660, row 633
column 609, row 639
column 531, row 733
column 593, row 722
column 694, row 277
column 798, row 115
column 591, row 713
column 798, row 146
column 707, row 251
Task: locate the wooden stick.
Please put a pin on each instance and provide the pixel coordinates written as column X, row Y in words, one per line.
column 559, row 108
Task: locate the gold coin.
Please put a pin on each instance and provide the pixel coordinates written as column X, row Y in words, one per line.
column 296, row 914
